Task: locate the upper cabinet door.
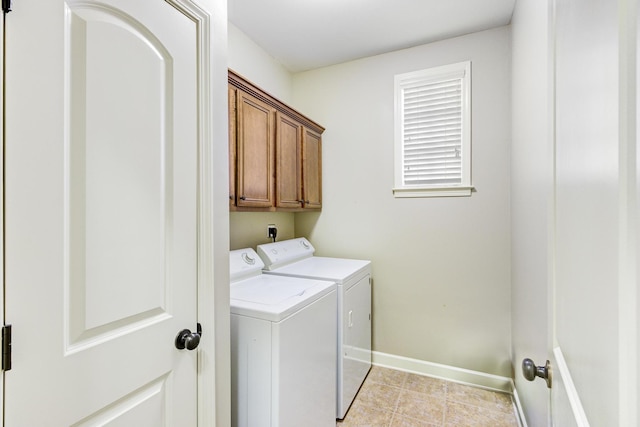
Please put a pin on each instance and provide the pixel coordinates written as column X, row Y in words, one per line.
column 288, row 162
column 255, row 152
column 312, row 169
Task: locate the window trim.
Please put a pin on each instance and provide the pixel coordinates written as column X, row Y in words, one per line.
column 401, row 81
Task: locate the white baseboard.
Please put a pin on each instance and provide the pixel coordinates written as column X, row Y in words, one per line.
column 516, row 401
column 445, row 372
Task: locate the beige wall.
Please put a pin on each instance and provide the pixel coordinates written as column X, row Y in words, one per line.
column 251, row 61
column 441, row 266
column 249, row 229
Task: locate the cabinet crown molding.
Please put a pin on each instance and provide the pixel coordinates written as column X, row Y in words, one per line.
column 246, row 86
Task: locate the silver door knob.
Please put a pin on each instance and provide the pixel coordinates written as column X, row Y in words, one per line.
column 187, row 339
column 530, row 371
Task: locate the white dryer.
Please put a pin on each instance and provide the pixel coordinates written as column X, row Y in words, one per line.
column 295, row 258
column 283, row 355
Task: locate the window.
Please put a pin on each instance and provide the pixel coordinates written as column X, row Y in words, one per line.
column 432, row 132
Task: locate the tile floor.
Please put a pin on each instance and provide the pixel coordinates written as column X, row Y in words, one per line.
column 393, row 398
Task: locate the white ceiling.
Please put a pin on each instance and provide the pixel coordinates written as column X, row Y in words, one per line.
column 308, row 34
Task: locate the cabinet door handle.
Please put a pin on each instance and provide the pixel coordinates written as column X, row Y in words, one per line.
column 243, row 198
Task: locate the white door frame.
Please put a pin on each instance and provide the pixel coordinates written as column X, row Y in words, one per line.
column 206, row 417
column 214, row 393
column 2, row 204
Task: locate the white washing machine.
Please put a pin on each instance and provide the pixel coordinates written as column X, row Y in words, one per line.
column 283, row 355
column 295, row 258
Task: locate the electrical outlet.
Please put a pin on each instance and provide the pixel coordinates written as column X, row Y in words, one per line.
column 272, row 231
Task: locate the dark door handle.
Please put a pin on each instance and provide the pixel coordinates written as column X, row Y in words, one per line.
column 187, row 339
column 530, row 371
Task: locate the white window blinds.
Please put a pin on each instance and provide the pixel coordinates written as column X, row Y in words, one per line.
column 432, row 133
column 432, row 138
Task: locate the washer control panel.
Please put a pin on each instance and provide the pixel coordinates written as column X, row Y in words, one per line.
column 244, row 262
column 284, row 252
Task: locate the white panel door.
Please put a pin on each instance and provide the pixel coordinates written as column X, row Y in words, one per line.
column 586, row 212
column 100, row 213
column 596, row 209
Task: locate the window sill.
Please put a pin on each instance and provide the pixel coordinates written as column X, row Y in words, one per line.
column 433, row 192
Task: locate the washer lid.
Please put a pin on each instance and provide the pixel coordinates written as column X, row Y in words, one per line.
column 274, row 298
column 285, row 252
column 339, row 270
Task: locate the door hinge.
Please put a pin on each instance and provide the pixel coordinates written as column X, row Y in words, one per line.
column 6, row 6
column 6, row 348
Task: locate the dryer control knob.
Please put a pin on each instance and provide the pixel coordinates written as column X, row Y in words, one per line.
column 249, row 260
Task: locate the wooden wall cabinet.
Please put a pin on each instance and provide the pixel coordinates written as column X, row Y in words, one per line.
column 275, row 153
